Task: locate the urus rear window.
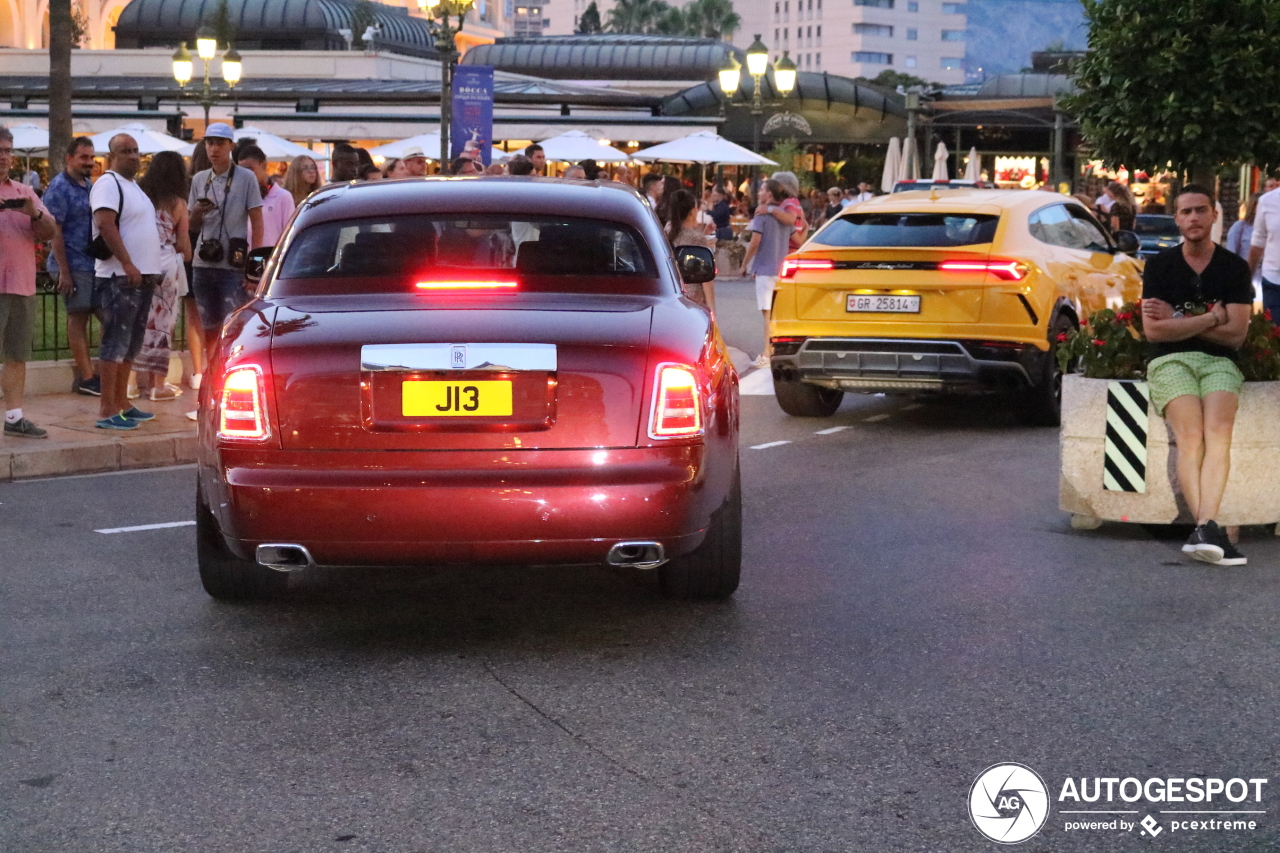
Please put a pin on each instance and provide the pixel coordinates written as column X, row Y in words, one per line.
column 540, row 254
column 907, row 230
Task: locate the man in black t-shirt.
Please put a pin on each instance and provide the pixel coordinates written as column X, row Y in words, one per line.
column 1197, row 298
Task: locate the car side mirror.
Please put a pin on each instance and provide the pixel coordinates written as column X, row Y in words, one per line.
column 256, row 262
column 697, row 264
column 1128, row 243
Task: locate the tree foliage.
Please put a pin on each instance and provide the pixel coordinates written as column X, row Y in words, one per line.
column 360, row 18
column 589, row 24
column 1181, row 81
column 705, row 18
column 220, row 20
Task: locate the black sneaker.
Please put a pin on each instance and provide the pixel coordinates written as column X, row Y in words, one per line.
column 24, row 428
column 1231, row 556
column 1204, row 543
column 91, row 387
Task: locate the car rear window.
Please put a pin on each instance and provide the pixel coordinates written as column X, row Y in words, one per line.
column 909, row 229
column 551, row 254
column 1147, row 224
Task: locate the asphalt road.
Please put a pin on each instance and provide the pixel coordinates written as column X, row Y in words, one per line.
column 914, row 609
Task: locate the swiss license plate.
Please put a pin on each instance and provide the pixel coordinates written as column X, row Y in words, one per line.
column 883, row 304
column 424, row 399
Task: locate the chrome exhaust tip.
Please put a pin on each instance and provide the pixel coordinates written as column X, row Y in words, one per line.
column 284, row 557
column 637, row 555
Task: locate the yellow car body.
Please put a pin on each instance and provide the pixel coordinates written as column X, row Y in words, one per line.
column 960, row 291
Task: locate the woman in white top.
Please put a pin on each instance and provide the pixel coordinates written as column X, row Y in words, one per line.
column 165, row 183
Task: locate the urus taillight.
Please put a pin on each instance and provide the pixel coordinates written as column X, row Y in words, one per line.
column 677, row 404
column 242, row 409
column 1002, row 269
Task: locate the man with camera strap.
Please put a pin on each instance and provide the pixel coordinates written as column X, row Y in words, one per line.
column 226, row 210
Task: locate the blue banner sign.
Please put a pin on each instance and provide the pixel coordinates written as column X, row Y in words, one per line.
column 471, row 130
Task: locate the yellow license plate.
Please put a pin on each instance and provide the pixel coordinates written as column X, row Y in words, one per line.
column 455, row 399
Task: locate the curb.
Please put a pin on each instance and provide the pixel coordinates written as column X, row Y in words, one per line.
column 93, row 457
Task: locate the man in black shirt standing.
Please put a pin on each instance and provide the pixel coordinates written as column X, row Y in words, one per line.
column 1197, row 298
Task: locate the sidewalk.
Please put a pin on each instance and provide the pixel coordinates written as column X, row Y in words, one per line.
column 76, row 446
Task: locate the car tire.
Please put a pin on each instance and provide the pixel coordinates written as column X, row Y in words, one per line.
column 802, row 400
column 224, row 575
column 1041, row 405
column 712, row 570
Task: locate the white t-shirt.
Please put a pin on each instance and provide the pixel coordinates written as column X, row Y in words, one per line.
column 1266, row 234
column 1104, row 203
column 277, row 207
column 137, row 225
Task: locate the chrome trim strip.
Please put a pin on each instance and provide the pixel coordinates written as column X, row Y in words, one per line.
column 380, row 357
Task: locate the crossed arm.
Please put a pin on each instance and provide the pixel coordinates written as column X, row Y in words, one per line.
column 1226, row 325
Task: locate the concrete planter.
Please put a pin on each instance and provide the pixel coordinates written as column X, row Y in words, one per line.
column 1253, row 489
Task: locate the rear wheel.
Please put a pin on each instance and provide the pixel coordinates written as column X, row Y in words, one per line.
column 712, row 570
column 1041, row 405
column 802, row 400
column 224, row 575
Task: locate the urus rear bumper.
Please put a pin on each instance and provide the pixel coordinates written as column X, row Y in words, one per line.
column 537, row 507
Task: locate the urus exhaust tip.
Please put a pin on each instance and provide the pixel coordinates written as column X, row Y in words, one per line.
column 637, row 555
column 284, row 557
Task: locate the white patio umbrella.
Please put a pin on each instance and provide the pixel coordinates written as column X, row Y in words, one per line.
column 29, row 139
column 909, row 165
column 149, row 141
column 574, row 145
column 973, row 171
column 892, row 165
column 277, row 148
column 430, row 145
column 940, row 172
column 704, row 147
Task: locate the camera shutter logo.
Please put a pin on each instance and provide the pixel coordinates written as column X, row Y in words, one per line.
column 1008, row 803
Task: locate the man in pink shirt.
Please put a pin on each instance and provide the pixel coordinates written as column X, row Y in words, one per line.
column 277, row 202
column 23, row 222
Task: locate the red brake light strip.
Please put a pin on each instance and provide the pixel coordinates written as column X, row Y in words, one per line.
column 1005, row 270
column 466, row 285
column 790, row 266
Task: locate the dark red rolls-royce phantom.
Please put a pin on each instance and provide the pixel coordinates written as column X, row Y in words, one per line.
column 471, row 371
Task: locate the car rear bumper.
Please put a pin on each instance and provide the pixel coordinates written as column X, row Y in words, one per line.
column 909, row 366
column 537, row 507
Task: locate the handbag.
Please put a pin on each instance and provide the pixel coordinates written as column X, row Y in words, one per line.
column 98, row 247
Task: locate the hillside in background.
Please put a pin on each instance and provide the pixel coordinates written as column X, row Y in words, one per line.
column 1003, row 33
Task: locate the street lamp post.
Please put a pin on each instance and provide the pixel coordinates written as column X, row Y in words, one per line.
column 438, row 13
column 784, row 81
column 207, row 50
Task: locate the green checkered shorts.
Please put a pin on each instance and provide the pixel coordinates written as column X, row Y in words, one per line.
column 1194, row 373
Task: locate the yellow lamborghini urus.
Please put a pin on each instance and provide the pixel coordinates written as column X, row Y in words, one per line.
column 943, row 292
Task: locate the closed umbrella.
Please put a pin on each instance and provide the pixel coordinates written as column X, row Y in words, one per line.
column 574, row 145
column 909, row 166
column 704, row 147
column 973, row 170
column 892, row 165
column 149, row 141
column 940, row 172
column 277, row 148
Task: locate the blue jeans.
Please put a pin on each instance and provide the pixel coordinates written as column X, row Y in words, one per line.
column 218, row 293
column 124, row 312
column 1271, row 299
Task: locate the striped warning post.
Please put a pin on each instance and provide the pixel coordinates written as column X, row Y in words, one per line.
column 1125, row 449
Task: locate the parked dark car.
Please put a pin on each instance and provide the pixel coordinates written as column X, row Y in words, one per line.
column 1156, row 232
column 479, row 371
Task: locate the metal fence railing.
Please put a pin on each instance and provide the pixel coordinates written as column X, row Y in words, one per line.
column 50, row 338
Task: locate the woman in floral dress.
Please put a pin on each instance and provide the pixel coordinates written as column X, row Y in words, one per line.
column 165, row 183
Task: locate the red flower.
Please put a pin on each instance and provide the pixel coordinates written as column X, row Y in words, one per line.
column 1062, row 336
column 1124, row 317
column 1275, row 333
column 1098, row 342
column 1266, row 312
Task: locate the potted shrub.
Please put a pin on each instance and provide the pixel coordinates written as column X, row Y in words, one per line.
column 1108, row 348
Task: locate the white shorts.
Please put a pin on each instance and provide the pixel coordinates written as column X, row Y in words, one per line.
column 764, row 291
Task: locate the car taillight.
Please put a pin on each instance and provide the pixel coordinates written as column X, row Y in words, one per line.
column 790, row 266
column 242, row 410
column 466, row 285
column 787, row 345
column 677, row 409
column 1003, row 270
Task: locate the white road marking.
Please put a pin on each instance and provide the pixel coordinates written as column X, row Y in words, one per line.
column 757, row 383
column 875, row 418
column 145, row 527
column 830, row 430
column 912, row 407
column 769, row 444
